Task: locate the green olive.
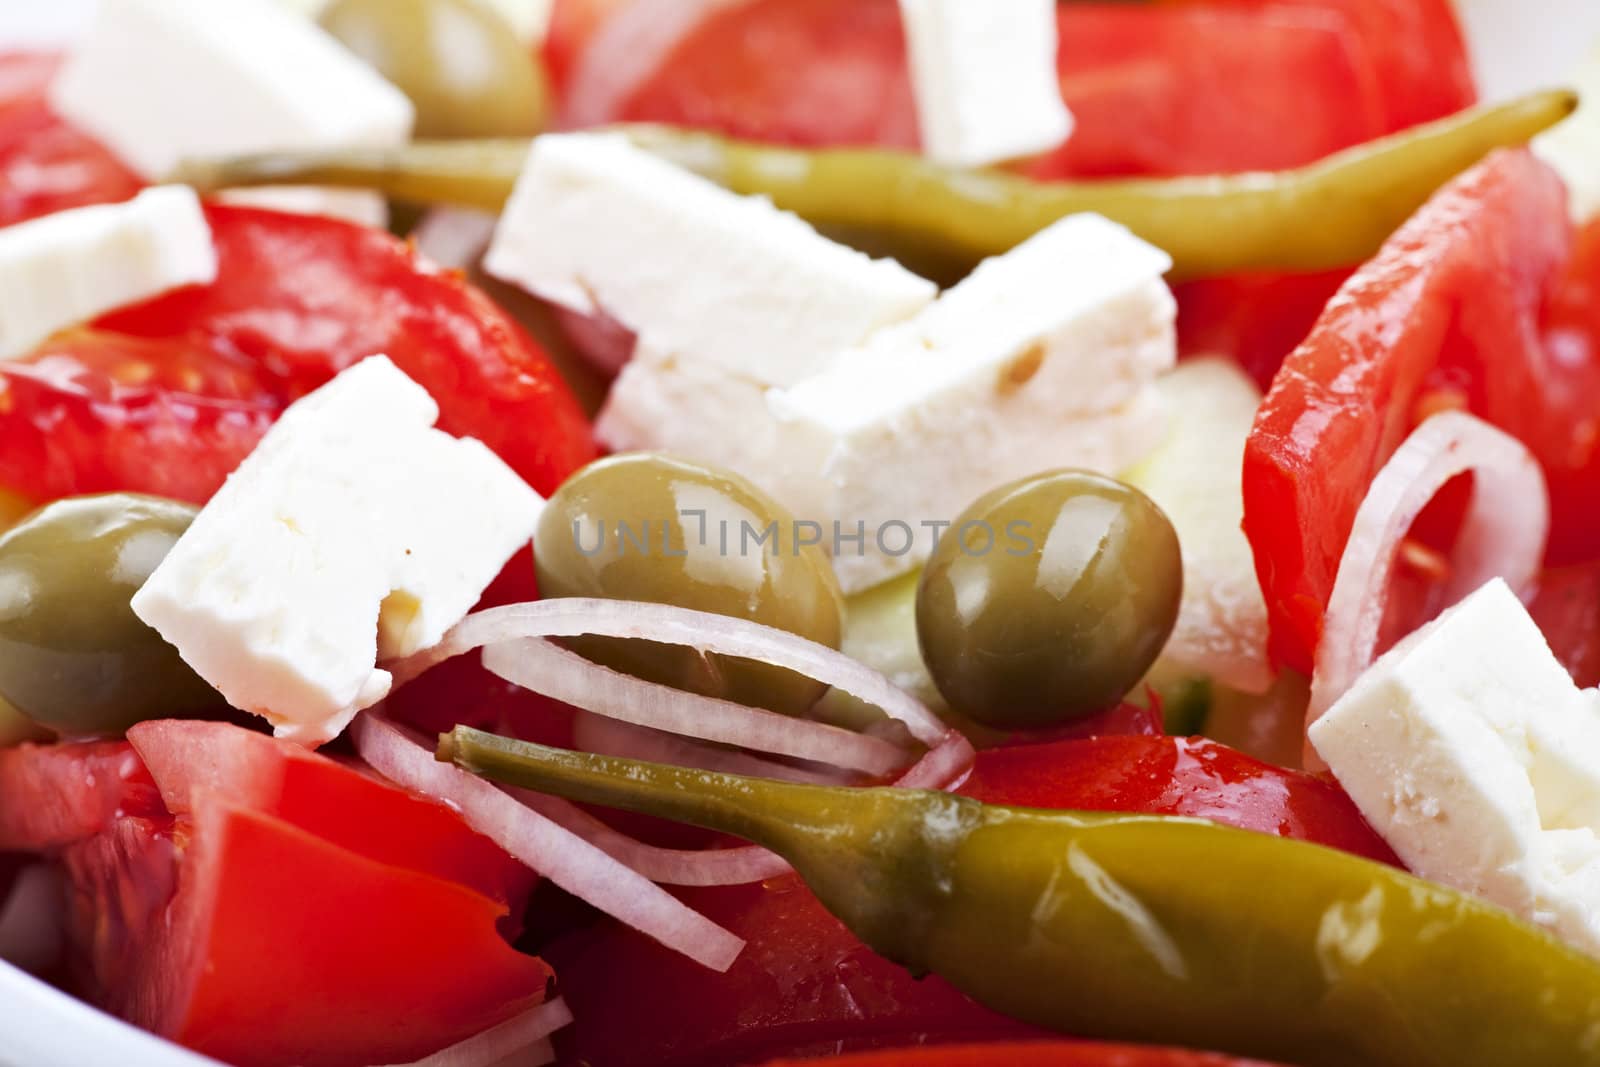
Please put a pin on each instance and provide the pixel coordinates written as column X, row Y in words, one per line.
column 650, row 527
column 1048, row 599
column 73, row 656
column 460, row 63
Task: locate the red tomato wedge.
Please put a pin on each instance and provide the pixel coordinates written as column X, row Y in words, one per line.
column 342, row 805
column 1191, row 776
column 806, row 986
column 1450, row 313
column 54, row 795
column 288, row 910
column 1033, row 1054
column 1208, row 90
column 1154, row 91
column 169, row 396
column 1418, row 51
column 45, row 164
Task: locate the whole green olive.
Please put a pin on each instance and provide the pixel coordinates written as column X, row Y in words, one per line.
column 459, row 62
column 1048, row 599
column 73, row 656
column 645, row 526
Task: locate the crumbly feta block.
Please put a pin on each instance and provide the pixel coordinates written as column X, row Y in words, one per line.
column 670, row 405
column 985, row 78
column 1470, row 750
column 69, row 267
column 1573, row 147
column 354, row 532
column 699, row 273
column 161, row 80
column 359, row 206
column 1041, row 358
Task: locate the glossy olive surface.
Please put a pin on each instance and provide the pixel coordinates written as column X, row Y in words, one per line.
column 460, row 63
column 645, row 526
column 1048, row 599
column 73, row 656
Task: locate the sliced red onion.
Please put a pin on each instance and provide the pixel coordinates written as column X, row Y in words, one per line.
column 566, row 859
column 525, row 1036
column 1503, row 535
column 670, row 866
column 454, row 237
column 722, row 634
column 629, row 48
column 547, row 668
column 604, row 342
column 613, row 737
column 514, row 640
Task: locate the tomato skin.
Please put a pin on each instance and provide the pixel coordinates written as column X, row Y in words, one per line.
column 806, row 986
column 1192, row 776
column 45, row 164
column 341, row 804
column 1153, row 91
column 1034, row 1054
column 304, row 297
column 1256, row 319
column 1418, row 51
column 1449, row 308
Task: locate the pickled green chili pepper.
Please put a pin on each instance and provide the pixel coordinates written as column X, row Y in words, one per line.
column 1329, row 214
column 1138, row 927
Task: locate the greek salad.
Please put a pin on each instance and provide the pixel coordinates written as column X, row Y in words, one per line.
column 924, row 532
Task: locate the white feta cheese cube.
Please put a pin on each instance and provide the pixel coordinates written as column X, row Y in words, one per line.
column 359, row 206
column 161, row 80
column 1041, row 358
column 1470, row 750
column 354, row 532
column 699, row 273
column 69, row 267
column 985, row 78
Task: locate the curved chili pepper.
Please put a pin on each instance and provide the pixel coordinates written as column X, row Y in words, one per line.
column 1332, row 213
column 1134, row 927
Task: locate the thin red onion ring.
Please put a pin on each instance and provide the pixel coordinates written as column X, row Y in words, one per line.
column 1503, row 535
column 943, row 766
column 566, row 859
column 630, row 46
column 722, row 634
column 670, row 866
column 606, row 736
column 527, row 1034
column 537, row 664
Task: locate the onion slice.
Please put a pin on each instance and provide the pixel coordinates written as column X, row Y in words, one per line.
column 606, row 736
column 555, row 852
column 629, row 48
column 546, row 668
column 1503, row 535
column 525, row 1036
column 515, row 640
column 670, row 866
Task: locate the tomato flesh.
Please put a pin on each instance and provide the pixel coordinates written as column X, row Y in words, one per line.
column 1449, row 313
column 287, row 909
column 45, row 164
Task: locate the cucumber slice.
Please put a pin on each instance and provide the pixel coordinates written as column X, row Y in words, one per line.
column 1195, row 477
